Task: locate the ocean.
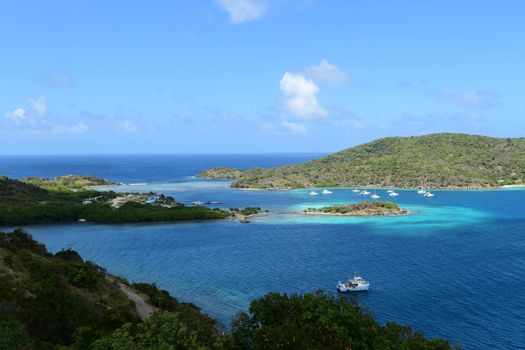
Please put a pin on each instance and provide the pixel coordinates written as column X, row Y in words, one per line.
column 454, row 268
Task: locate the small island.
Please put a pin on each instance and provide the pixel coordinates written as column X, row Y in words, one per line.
column 225, row 172
column 360, row 209
column 243, row 214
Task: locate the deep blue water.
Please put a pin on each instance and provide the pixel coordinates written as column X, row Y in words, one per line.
column 455, row 268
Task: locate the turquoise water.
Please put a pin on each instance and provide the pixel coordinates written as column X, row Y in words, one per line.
column 454, row 268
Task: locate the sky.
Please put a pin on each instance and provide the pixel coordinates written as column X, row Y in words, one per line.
column 254, row 76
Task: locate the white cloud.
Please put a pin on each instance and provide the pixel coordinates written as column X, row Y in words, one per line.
column 283, row 127
column 244, row 10
column 475, row 99
column 75, row 129
column 18, row 116
column 39, row 106
column 127, row 126
column 327, row 72
column 301, row 96
column 296, row 128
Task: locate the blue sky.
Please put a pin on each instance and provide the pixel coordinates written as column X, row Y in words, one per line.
column 220, row 76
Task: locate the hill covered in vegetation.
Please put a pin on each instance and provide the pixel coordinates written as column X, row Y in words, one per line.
column 24, row 203
column 67, row 182
column 59, row 301
column 360, row 209
column 435, row 161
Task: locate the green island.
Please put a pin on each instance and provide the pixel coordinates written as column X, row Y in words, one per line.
column 360, row 209
column 67, row 182
column 59, row 301
column 23, row 202
column 243, row 215
column 444, row 161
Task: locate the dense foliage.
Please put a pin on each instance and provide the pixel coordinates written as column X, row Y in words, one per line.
column 48, row 300
column 320, row 321
column 250, row 211
column 24, row 203
column 61, row 302
column 67, row 182
column 436, row 161
column 362, row 208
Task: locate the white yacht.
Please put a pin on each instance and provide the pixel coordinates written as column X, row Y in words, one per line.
column 326, row 192
column 421, row 191
column 313, row 193
column 355, row 284
column 389, row 191
column 375, row 196
column 393, row 194
column 364, row 193
column 356, row 191
column 428, row 194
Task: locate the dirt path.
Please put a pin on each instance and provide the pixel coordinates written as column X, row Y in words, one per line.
column 144, row 310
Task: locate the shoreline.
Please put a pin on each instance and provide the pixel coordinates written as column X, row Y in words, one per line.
column 500, row 188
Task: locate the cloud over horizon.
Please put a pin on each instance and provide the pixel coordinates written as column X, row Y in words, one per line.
column 244, row 10
column 470, row 98
column 327, row 72
column 300, row 96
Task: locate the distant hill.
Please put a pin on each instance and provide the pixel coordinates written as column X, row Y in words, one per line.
column 70, row 182
column 436, row 161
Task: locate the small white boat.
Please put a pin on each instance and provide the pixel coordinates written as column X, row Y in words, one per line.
column 375, row 196
column 428, row 194
column 356, row 284
column 389, row 191
column 364, row 193
column 313, row 193
column 197, row 203
column 421, row 191
column 356, row 191
column 326, row 192
column 393, row 194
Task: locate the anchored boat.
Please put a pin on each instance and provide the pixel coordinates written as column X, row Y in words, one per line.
column 355, row 284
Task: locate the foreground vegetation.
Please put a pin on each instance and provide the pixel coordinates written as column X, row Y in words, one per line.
column 62, row 302
column 436, row 161
column 361, row 209
column 24, row 203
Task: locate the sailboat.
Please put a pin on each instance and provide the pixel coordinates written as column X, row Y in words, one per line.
column 364, row 193
column 375, row 196
column 421, row 189
column 326, row 192
column 313, row 193
column 393, row 194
